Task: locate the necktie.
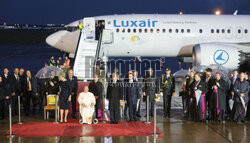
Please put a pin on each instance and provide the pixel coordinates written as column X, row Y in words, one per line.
column 29, row 85
column 17, row 78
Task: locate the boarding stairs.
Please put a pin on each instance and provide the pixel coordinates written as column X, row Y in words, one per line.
column 87, row 54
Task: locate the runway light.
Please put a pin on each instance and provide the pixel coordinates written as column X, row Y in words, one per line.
column 181, row 13
column 217, row 12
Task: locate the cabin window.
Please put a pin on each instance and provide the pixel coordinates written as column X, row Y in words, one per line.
column 163, row 30
column 145, row 30
column 129, row 30
column 117, row 30
column 246, row 31
column 170, row 30
column 140, row 30
column 239, row 31
column 158, row 30
column 212, row 30
column 223, row 31
column 200, row 31
column 176, row 30
column 151, row 30
column 188, row 30
column 218, row 31
column 123, row 30
column 228, row 31
column 134, row 30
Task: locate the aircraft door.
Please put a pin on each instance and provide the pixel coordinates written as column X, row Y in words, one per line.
column 89, row 29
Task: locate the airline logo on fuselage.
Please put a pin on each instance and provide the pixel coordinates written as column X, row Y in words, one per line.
column 134, row 23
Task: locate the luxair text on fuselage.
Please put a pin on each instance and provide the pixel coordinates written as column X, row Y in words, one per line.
column 135, row 23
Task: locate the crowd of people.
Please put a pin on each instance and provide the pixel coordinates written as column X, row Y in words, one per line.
column 212, row 97
column 205, row 96
column 63, row 64
column 32, row 89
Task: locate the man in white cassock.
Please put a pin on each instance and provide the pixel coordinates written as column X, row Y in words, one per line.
column 87, row 103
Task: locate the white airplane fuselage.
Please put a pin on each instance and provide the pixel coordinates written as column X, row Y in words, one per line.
column 165, row 35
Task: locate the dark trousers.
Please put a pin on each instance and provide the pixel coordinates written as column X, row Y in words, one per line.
column 73, row 102
column 238, row 112
column 192, row 109
column 132, row 111
column 151, row 107
column 184, row 103
column 221, row 116
column 43, row 97
column 114, row 115
column 28, row 97
column 98, row 107
column 167, row 104
column 139, row 109
column 248, row 111
column 126, row 109
column 14, row 105
column 2, row 108
column 228, row 110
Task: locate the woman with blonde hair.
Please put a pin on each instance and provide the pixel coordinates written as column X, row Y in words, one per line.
column 65, row 96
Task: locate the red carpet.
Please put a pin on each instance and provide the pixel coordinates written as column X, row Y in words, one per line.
column 73, row 128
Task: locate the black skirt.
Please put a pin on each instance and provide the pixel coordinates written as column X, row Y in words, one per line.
column 64, row 104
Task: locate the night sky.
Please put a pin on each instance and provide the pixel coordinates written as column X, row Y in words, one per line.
column 66, row 11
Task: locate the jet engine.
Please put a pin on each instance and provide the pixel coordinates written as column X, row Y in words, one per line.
column 210, row 54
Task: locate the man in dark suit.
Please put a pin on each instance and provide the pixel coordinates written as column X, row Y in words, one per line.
column 22, row 78
column 74, row 86
column 16, row 90
column 168, row 88
column 114, row 96
column 7, row 87
column 29, row 91
column 52, row 81
column 150, row 89
column 139, row 82
column 96, row 88
column 209, row 90
column 126, row 80
column 232, row 81
column 2, row 100
column 132, row 97
column 220, row 87
column 42, row 85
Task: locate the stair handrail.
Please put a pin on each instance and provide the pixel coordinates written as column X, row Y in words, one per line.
column 97, row 51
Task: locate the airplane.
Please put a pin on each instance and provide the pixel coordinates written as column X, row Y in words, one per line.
column 201, row 39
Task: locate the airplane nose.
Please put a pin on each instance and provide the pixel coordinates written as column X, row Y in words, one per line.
column 54, row 39
column 64, row 40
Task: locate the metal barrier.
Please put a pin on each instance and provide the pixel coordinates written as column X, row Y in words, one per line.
column 147, row 120
column 56, row 111
column 105, row 118
column 19, row 110
column 10, row 123
column 154, row 133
